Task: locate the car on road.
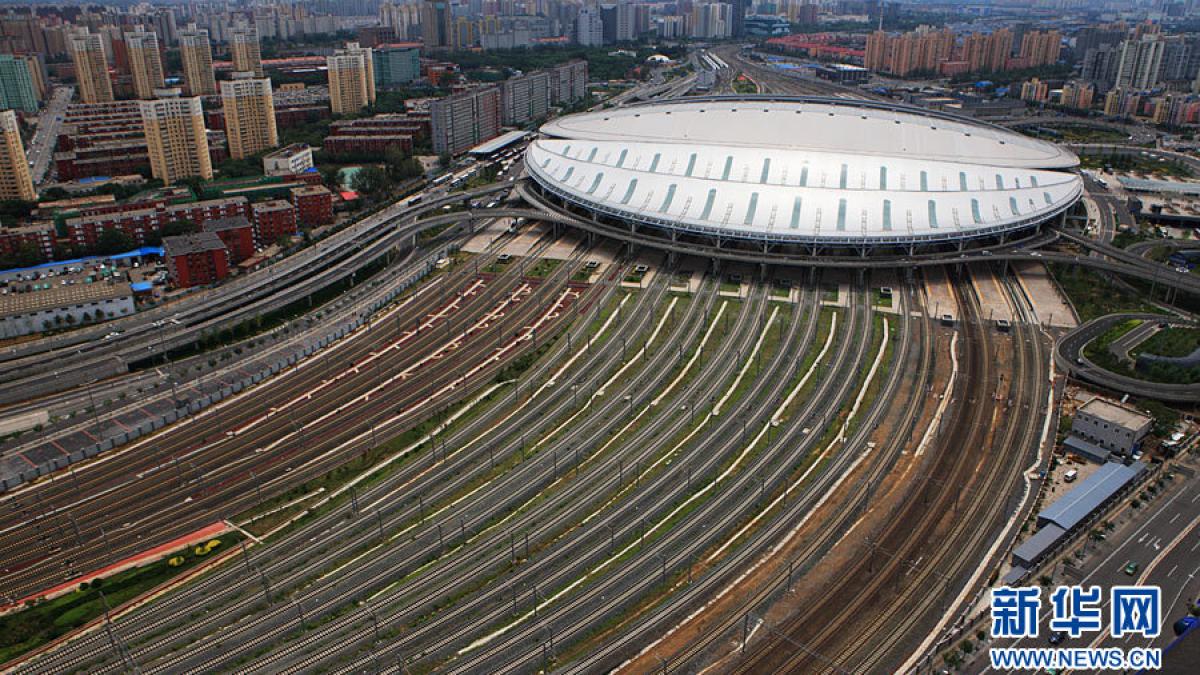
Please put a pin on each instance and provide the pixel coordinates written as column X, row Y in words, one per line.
column 1057, row 637
column 1131, row 568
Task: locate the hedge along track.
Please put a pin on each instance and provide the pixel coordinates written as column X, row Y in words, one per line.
column 157, row 626
column 369, row 524
column 500, row 543
column 675, row 545
column 900, row 537
column 639, row 635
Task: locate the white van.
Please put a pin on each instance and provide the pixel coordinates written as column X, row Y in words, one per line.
column 1071, row 475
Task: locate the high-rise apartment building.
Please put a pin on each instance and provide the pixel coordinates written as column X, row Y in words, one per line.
column 195, row 49
column 175, row 137
column 145, row 63
column 16, row 84
column 91, row 67
column 712, row 20
column 404, row 18
column 436, row 24
column 1041, row 48
column 988, row 52
column 1139, row 63
column 617, row 22
column 351, row 79
column 914, row 52
column 1100, row 66
column 245, row 49
column 1035, row 91
column 737, row 18
column 589, row 27
column 15, row 182
column 37, row 73
column 1077, row 95
column 462, row 121
column 525, row 98
column 249, row 111
column 395, row 65
column 568, row 82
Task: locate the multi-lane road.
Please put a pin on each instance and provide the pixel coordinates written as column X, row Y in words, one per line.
column 1163, row 542
column 41, row 149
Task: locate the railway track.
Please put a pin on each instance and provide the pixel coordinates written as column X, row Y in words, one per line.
column 1020, row 435
column 598, row 506
column 614, row 594
column 892, row 594
column 379, row 572
column 212, row 467
column 443, row 572
column 882, row 460
column 235, row 585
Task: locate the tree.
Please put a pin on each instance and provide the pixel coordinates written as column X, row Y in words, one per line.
column 113, row 241
column 26, row 255
column 400, row 165
column 12, row 210
column 371, row 180
column 240, row 168
column 331, row 176
column 193, row 183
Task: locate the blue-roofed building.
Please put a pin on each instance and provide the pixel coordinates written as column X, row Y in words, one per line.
column 1034, row 548
column 499, row 143
column 1092, row 492
column 1070, row 510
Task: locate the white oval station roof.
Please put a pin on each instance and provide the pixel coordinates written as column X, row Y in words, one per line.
column 803, row 171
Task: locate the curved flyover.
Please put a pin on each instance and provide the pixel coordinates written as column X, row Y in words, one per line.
column 1069, row 356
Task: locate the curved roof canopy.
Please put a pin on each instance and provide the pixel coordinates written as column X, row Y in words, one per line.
column 803, row 170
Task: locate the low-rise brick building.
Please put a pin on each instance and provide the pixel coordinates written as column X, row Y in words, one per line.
column 272, row 220
column 314, row 205
column 146, row 219
column 39, row 236
column 237, row 233
column 375, row 135
column 196, row 259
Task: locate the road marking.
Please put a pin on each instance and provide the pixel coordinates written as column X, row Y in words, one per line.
column 1173, row 568
column 1045, row 615
column 1174, row 518
column 1141, row 580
